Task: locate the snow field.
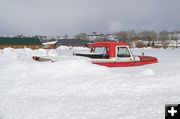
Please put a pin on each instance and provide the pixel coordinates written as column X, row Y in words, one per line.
column 77, row 89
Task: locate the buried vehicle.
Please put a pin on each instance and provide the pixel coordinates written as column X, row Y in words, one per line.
column 110, row 54
column 116, row 54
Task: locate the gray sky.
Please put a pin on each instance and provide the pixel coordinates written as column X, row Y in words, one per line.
column 59, row 17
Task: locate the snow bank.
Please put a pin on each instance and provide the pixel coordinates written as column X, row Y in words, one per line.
column 147, row 72
column 77, row 89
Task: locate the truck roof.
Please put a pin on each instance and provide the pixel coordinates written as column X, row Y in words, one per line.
column 108, row 44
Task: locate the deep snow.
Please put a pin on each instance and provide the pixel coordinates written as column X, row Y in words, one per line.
column 77, row 89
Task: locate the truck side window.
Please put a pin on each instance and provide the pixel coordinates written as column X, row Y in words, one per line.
column 123, row 52
column 101, row 50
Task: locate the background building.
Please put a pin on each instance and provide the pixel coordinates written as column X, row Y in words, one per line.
column 13, row 42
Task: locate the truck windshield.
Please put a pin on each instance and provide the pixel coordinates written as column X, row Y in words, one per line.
column 123, row 52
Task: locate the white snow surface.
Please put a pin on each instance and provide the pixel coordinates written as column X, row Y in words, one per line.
column 76, row 89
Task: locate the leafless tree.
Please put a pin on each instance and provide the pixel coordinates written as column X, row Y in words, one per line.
column 81, row 36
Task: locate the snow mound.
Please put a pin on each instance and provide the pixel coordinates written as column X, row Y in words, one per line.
column 63, row 48
column 147, row 72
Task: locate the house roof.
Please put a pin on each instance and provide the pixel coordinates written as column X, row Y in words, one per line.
column 72, row 42
column 49, row 43
column 19, row 41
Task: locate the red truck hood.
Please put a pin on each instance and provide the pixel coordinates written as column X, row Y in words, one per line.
column 148, row 58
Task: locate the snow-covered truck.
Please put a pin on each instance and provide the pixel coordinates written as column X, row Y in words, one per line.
column 110, row 54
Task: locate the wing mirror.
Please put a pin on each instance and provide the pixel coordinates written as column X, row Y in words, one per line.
column 142, row 53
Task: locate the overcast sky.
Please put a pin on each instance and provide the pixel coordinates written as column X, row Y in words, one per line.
column 60, row 17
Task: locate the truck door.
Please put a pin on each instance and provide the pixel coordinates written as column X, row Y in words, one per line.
column 123, row 54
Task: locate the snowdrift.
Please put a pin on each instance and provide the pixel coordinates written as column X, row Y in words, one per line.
column 76, row 89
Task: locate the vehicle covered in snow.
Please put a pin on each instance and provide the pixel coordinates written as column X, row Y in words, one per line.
column 110, row 54
column 115, row 54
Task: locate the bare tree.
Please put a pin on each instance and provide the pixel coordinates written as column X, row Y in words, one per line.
column 66, row 36
column 130, row 34
column 81, row 36
column 164, row 38
column 122, row 36
column 149, row 35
